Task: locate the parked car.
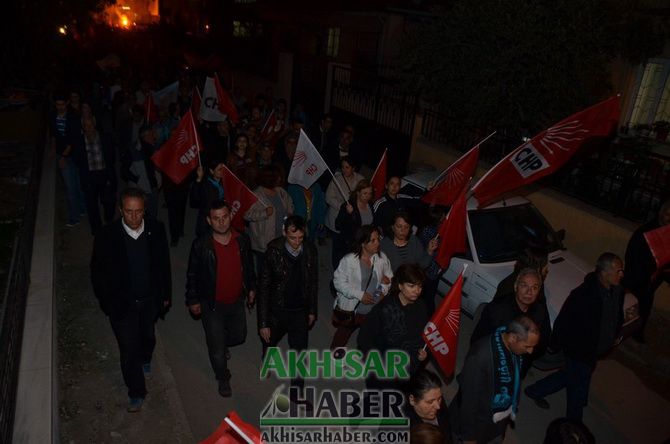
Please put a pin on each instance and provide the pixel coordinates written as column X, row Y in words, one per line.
column 496, row 233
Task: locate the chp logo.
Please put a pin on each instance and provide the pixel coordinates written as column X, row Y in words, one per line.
column 299, row 159
column 529, row 161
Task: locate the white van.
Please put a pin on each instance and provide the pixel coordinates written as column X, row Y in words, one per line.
column 494, row 236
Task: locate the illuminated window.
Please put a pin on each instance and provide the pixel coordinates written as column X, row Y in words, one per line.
column 333, row 47
column 652, row 102
column 240, row 29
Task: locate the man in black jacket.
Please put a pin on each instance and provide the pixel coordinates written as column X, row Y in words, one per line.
column 524, row 300
column 640, row 277
column 132, row 280
column 220, row 273
column 288, row 290
column 586, row 328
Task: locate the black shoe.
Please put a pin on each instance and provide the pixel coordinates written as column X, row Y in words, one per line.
column 540, row 402
column 224, row 388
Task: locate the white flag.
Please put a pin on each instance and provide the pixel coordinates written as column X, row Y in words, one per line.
column 163, row 97
column 308, row 165
column 209, row 106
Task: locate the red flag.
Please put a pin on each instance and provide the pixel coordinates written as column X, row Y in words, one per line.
column 181, row 153
column 452, row 231
column 441, row 332
column 659, row 245
column 226, row 105
column 379, row 177
column 233, row 430
column 239, row 197
column 151, row 112
column 453, row 179
column 547, row 151
column 196, row 100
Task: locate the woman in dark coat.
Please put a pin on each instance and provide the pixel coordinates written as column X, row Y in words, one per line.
column 425, row 404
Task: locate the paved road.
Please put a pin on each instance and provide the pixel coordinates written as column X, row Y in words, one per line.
column 622, row 409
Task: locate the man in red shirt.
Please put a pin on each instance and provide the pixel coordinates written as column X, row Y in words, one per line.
column 220, row 275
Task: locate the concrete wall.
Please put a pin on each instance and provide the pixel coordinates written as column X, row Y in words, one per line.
column 589, row 230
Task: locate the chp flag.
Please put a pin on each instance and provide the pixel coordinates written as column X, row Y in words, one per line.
column 209, row 103
column 239, row 197
column 307, row 165
column 233, row 430
column 379, row 177
column 547, row 151
column 225, row 102
column 450, row 183
column 441, row 332
column 452, row 233
column 659, row 245
column 181, row 153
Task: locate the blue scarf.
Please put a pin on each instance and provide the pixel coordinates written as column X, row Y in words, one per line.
column 216, row 184
column 506, row 378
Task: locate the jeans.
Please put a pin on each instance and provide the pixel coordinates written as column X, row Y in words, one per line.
column 224, row 326
column 136, row 338
column 575, row 377
column 75, row 197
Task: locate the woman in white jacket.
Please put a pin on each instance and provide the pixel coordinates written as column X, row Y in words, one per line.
column 266, row 216
column 361, row 280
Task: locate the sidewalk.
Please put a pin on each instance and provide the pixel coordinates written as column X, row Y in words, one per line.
column 92, row 394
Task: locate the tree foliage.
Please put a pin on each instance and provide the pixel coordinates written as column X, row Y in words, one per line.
column 518, row 64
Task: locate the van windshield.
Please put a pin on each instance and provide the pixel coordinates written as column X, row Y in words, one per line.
column 500, row 233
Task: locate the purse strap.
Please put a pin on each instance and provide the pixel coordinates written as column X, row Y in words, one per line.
column 372, row 270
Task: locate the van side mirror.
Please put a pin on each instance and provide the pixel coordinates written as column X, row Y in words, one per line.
column 561, row 234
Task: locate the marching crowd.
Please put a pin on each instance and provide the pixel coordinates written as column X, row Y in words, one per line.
column 384, row 277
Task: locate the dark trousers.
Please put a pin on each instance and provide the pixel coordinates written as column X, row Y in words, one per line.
column 295, row 324
column 136, row 338
column 176, row 199
column 99, row 189
column 575, row 377
column 224, row 326
column 345, row 330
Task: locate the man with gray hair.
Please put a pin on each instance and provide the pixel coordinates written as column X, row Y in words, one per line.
column 641, row 277
column 489, row 384
column 586, row 328
column 524, row 299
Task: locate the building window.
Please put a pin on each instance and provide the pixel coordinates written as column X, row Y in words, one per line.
column 652, row 102
column 241, row 29
column 333, row 47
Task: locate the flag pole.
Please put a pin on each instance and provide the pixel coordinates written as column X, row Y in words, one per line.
column 267, row 120
column 337, row 184
column 238, row 430
column 439, row 178
column 379, row 163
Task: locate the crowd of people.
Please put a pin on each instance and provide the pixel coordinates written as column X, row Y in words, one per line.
column 384, row 277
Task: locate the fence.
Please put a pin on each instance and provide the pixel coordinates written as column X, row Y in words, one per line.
column 376, row 99
column 13, row 306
